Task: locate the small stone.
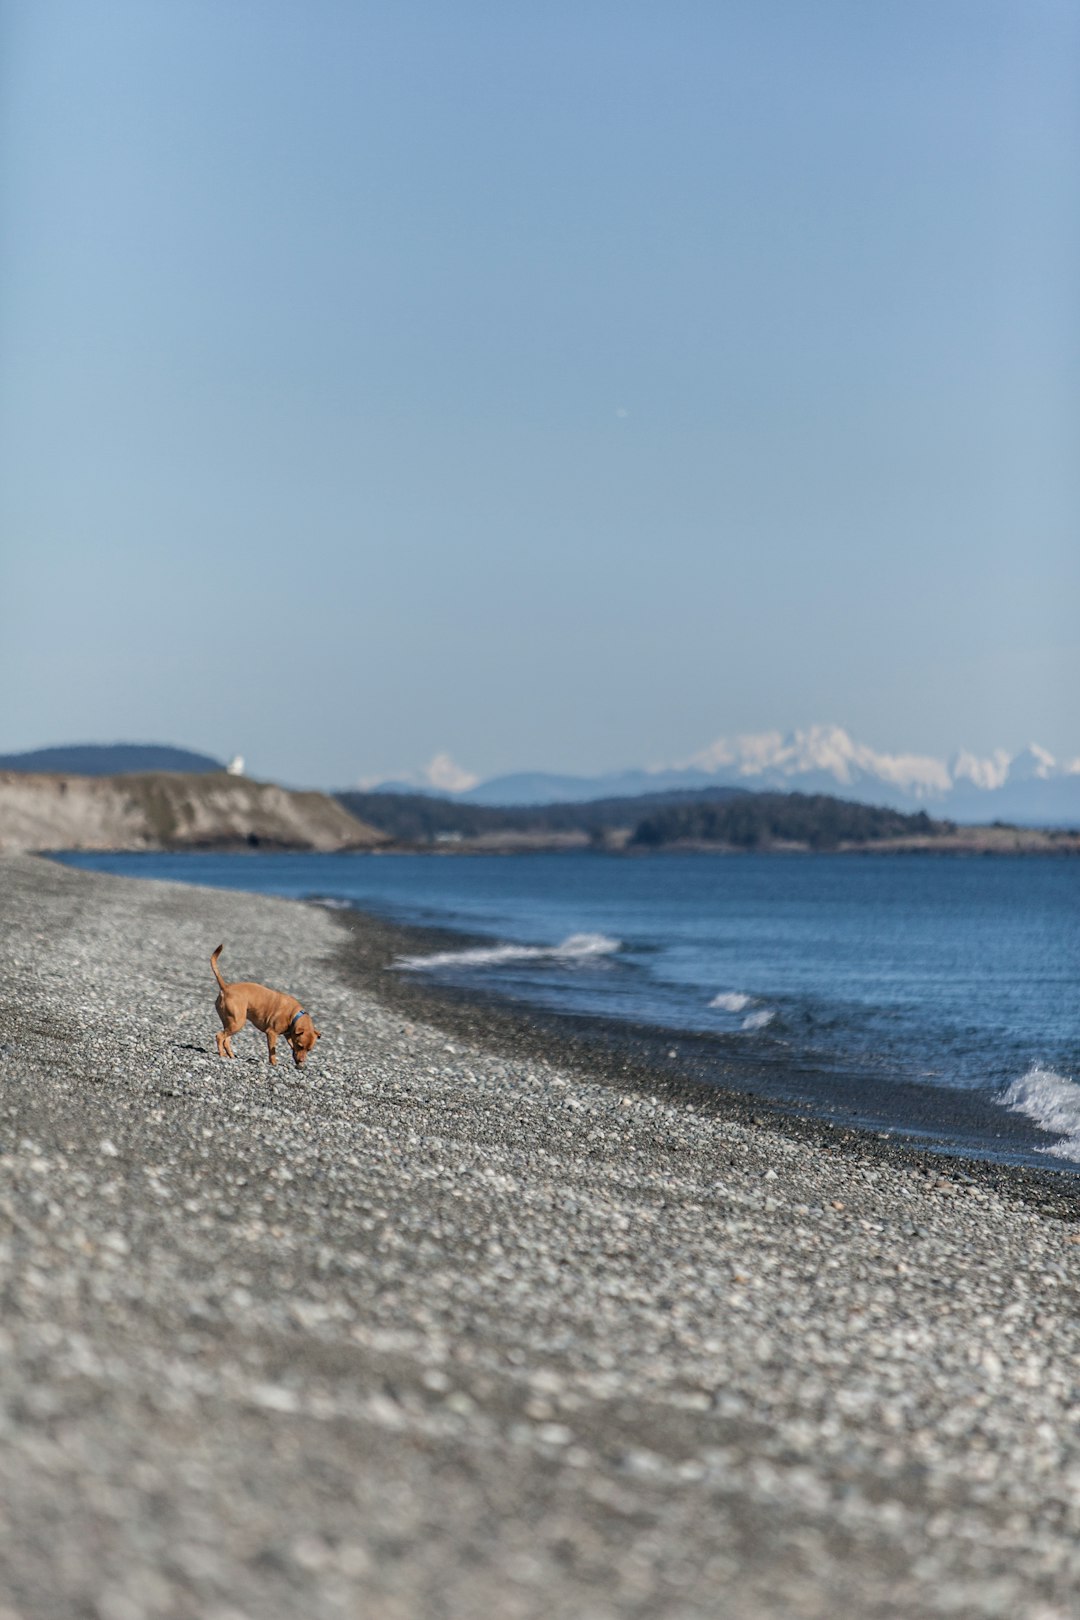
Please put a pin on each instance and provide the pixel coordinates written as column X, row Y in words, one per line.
column 275, row 1398
column 554, row 1434
column 353, row 1560
column 641, row 1462
column 310, row 1552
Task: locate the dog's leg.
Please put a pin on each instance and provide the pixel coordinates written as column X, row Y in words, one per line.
column 232, row 1021
column 271, row 1041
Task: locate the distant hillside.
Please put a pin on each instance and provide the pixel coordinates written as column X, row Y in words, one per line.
column 525, row 788
column 166, row 810
column 760, row 820
column 420, row 818
column 110, row 759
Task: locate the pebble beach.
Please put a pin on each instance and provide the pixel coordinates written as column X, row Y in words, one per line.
column 450, row 1324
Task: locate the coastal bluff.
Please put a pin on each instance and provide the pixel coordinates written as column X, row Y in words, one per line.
column 167, row 810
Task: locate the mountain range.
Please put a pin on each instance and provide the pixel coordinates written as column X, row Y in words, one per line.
column 1031, row 787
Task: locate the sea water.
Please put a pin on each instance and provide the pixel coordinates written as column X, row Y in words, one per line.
column 934, row 996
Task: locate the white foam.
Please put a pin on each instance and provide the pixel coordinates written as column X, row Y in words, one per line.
column 757, row 1020
column 575, row 948
column 730, row 1001
column 1053, row 1102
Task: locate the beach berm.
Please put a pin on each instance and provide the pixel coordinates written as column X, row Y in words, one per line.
column 437, row 1327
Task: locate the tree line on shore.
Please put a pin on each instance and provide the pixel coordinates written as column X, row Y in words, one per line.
column 759, row 820
column 728, row 816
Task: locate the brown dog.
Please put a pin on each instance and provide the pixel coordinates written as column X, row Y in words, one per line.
column 272, row 1011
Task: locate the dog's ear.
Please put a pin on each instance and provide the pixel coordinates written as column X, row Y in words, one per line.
column 318, row 1032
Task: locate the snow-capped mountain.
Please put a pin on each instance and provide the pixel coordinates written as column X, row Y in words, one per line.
column 821, row 760
column 1030, row 787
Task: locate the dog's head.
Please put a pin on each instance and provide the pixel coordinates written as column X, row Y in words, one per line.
column 301, row 1036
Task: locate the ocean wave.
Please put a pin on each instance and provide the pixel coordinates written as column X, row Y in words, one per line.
column 730, row 1001
column 757, row 1020
column 1053, row 1102
column 576, row 947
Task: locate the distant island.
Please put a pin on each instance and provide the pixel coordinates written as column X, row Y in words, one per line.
column 421, row 818
column 720, row 819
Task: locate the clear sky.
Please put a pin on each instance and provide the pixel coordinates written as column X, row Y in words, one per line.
column 556, row 383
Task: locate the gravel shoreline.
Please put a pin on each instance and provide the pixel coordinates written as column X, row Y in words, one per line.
column 447, row 1326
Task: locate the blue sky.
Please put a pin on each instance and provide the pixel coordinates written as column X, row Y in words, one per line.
column 553, row 385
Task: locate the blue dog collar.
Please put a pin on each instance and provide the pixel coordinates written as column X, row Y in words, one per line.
column 298, row 1014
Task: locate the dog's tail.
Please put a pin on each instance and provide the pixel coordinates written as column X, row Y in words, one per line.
column 213, row 964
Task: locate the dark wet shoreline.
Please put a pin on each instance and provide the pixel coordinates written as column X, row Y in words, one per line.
column 635, row 1058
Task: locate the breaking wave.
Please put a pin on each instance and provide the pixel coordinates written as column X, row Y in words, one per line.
column 1053, row 1102
column 757, row 1020
column 730, row 1001
column 576, row 947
